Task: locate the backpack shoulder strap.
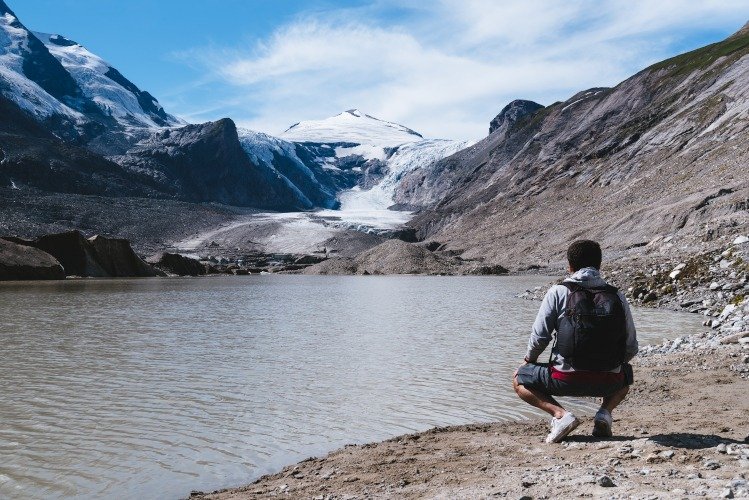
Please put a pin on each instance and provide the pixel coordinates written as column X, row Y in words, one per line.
column 572, row 287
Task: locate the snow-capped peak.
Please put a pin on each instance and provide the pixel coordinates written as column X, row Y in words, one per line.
column 351, row 126
column 114, row 94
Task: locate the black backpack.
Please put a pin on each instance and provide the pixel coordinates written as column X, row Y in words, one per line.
column 592, row 333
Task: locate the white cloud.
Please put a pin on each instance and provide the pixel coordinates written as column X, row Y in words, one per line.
column 446, row 70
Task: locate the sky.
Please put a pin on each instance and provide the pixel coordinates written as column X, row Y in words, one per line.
column 444, row 68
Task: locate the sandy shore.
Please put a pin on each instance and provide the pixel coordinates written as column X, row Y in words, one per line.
column 683, row 432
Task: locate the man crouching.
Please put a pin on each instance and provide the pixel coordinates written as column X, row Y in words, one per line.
column 595, row 340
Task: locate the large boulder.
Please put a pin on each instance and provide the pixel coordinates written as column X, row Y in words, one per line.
column 117, row 258
column 21, row 262
column 97, row 257
column 74, row 252
column 173, row 263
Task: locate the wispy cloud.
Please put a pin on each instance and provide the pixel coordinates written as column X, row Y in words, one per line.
column 448, row 69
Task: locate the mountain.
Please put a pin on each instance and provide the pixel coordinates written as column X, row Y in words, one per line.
column 105, row 87
column 659, row 161
column 351, row 159
column 206, row 162
column 351, row 126
column 31, row 156
column 32, row 78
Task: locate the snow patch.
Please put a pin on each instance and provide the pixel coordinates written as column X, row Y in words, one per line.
column 352, row 127
column 366, row 151
column 14, row 43
column 89, row 71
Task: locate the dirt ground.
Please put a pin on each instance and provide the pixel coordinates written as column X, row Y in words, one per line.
column 683, row 432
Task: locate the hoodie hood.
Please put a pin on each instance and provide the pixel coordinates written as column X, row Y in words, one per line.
column 588, row 277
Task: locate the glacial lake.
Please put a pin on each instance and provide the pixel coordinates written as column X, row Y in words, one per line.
column 155, row 387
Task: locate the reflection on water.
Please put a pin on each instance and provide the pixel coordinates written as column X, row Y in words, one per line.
column 112, row 388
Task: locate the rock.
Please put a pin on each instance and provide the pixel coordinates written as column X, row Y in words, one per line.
column 308, row 260
column 512, row 113
column 74, row 252
column 711, row 464
column 740, row 240
column 726, row 493
column 735, row 338
column 21, row 262
column 606, row 482
column 489, row 270
column 391, row 257
column 97, row 257
column 117, row 258
column 667, row 454
column 173, row 263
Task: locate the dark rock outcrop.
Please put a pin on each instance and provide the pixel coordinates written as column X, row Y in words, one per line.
column 74, row 252
column 118, row 259
column 512, row 113
column 173, row 263
column 206, row 163
column 22, row 262
column 97, row 257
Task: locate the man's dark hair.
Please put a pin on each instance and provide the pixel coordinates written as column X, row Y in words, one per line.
column 584, row 253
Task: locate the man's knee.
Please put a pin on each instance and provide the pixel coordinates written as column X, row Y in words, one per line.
column 515, row 385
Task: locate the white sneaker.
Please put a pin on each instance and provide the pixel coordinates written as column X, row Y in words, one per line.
column 560, row 427
column 602, row 424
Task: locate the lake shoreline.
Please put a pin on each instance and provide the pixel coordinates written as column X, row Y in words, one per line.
column 682, row 431
column 693, row 421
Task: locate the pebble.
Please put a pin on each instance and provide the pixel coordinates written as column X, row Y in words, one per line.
column 711, row 464
column 668, row 454
column 726, row 493
column 606, row 482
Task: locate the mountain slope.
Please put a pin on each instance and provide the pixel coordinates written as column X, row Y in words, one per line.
column 663, row 154
column 206, row 162
column 114, row 94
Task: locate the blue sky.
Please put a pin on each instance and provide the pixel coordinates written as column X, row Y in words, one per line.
column 441, row 67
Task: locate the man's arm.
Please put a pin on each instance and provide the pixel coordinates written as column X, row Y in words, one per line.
column 632, row 346
column 544, row 326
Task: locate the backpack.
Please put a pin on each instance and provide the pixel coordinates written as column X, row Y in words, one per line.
column 592, row 330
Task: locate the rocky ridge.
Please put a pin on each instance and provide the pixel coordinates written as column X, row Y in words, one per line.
column 662, row 154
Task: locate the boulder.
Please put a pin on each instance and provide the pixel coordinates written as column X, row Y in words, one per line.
column 74, row 252
column 22, row 262
column 307, row 260
column 97, row 257
column 173, row 263
column 117, row 258
column 488, row 270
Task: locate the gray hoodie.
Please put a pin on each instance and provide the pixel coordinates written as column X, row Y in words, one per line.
column 551, row 312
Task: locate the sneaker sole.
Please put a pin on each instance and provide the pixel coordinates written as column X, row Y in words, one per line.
column 566, row 431
column 601, row 428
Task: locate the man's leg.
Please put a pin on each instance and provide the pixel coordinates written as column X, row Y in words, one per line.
column 612, row 401
column 538, row 399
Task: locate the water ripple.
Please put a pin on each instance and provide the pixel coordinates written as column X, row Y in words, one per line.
column 143, row 388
